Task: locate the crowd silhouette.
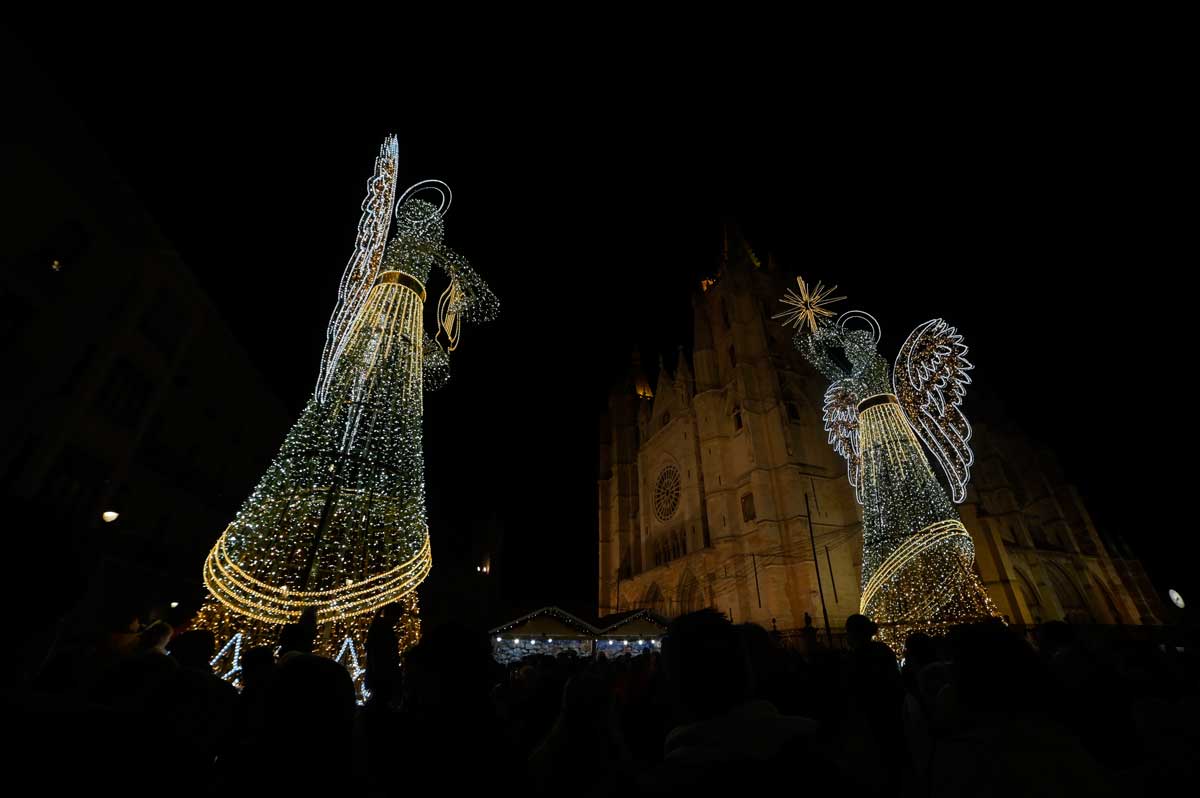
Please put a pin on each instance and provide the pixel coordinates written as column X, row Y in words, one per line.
column 719, row 709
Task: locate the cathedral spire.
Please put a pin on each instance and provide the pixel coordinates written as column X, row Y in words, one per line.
column 683, row 376
column 682, row 372
column 665, row 380
column 704, row 357
column 637, row 377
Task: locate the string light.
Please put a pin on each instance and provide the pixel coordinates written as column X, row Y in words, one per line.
column 930, row 378
column 234, row 643
column 917, row 567
column 585, row 641
column 337, row 523
column 807, row 308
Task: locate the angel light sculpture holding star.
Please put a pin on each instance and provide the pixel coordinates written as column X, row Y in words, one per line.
column 917, row 567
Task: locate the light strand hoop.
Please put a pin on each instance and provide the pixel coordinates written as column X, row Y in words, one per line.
column 248, row 596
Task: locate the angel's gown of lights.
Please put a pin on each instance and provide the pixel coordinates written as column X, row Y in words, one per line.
column 918, row 558
column 337, row 523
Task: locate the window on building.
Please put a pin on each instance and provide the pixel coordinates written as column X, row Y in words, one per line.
column 1043, row 536
column 1033, row 600
column 63, row 248
column 737, row 418
column 15, row 314
column 732, row 357
column 666, row 418
column 793, row 411
column 164, row 326
column 1075, row 608
column 748, row 513
column 707, row 539
column 125, row 394
column 73, row 483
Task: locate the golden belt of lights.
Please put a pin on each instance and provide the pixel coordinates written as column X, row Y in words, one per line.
column 251, row 597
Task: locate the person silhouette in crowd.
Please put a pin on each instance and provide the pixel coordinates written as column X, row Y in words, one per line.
column 299, row 637
column 446, row 713
column 874, row 727
column 585, row 747
column 723, row 738
column 1003, row 737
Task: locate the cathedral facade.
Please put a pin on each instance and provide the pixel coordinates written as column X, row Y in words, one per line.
column 718, row 488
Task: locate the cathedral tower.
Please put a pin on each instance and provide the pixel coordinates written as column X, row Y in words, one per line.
column 704, row 479
column 711, row 481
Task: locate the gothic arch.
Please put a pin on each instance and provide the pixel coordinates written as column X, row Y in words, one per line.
column 1075, row 606
column 652, row 599
column 1117, row 616
column 690, row 596
column 1033, row 598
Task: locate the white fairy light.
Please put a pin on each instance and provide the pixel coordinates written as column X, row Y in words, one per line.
column 930, row 378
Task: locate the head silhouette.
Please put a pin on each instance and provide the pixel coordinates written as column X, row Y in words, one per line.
column 704, row 659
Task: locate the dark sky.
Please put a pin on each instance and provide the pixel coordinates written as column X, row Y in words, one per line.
column 1035, row 206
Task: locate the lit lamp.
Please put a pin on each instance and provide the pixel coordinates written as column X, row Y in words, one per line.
column 1176, row 599
column 109, row 516
column 174, row 604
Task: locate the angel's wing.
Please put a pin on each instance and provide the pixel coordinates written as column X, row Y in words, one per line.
column 364, row 264
column 930, row 379
column 841, row 422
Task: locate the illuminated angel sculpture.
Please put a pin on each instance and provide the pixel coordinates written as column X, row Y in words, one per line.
column 917, row 569
column 337, row 524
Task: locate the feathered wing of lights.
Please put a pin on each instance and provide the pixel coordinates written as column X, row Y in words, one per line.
column 930, row 378
column 841, row 422
column 807, row 307
column 918, row 558
column 364, row 264
column 337, row 524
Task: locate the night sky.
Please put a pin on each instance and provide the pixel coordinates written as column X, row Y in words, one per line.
column 1035, row 210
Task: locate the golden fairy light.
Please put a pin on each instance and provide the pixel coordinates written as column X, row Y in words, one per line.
column 807, row 307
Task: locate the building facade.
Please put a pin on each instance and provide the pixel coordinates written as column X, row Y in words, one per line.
column 718, row 488
column 128, row 393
